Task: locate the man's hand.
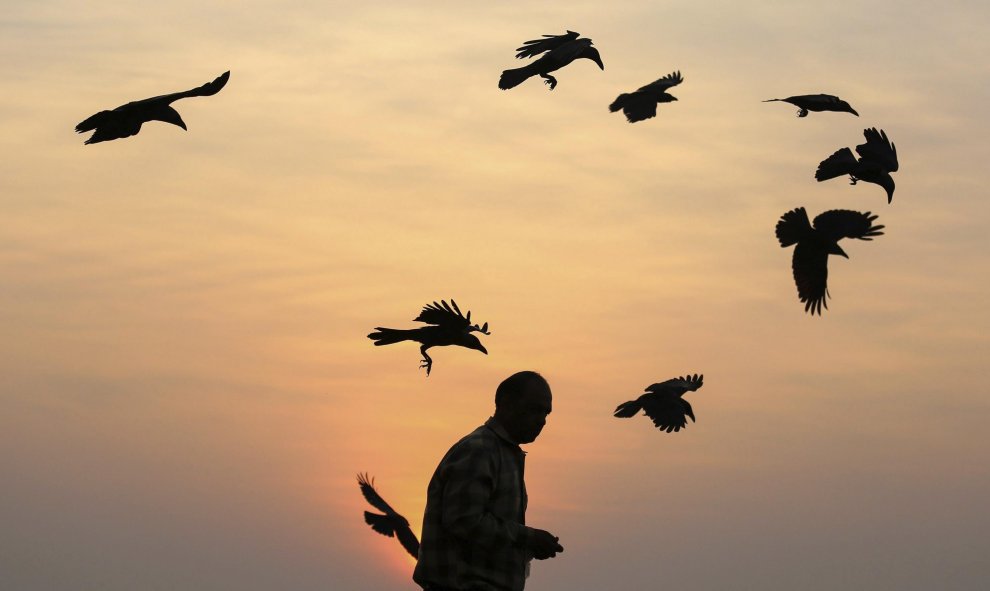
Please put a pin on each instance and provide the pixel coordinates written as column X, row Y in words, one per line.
column 544, row 544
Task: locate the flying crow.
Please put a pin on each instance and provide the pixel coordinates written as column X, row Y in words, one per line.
column 877, row 159
column 817, row 103
column 447, row 327
column 390, row 524
column 664, row 404
column 642, row 104
column 560, row 51
column 814, row 244
column 126, row 120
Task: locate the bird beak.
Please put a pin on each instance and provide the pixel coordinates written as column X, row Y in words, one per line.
column 888, row 184
column 483, row 349
column 853, row 111
column 600, row 64
column 841, row 252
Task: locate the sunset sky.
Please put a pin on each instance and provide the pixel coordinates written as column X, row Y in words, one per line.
column 186, row 387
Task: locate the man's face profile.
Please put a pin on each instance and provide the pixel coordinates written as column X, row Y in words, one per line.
column 527, row 414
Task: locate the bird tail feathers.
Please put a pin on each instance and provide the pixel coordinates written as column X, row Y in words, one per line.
column 92, row 122
column 793, row 226
column 618, row 103
column 840, row 163
column 628, row 409
column 388, row 336
column 516, row 76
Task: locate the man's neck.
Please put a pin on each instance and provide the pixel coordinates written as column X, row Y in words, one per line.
column 499, row 430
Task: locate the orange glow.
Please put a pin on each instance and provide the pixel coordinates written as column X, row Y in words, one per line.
column 186, row 385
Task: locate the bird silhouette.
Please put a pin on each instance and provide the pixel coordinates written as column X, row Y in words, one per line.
column 877, row 159
column 664, row 403
column 815, row 244
column 126, row 120
column 817, row 103
column 558, row 50
column 447, row 327
column 390, row 524
column 642, row 104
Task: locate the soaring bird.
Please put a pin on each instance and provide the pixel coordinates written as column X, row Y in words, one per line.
column 664, row 403
column 447, row 327
column 390, row 524
column 126, row 120
column 817, row 103
column 642, row 104
column 814, row 244
column 877, row 159
column 560, row 50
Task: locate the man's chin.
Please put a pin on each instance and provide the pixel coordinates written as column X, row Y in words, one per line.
column 531, row 438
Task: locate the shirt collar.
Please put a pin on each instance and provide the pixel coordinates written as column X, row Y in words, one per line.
column 499, row 430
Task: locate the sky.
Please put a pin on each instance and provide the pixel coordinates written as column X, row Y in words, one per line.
column 186, row 387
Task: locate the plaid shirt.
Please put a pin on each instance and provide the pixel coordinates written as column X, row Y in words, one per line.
column 474, row 537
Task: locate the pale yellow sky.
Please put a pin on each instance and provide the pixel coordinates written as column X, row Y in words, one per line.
column 186, row 389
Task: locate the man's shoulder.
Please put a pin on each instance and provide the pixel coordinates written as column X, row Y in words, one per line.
column 480, row 442
column 480, row 437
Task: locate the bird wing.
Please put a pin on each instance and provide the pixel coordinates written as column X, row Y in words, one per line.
column 878, row 149
column 841, row 162
column 445, row 315
column 208, row 89
column 667, row 413
column 837, row 224
column 810, row 265
column 677, row 386
column 408, row 540
column 110, row 125
column 368, row 490
column 662, row 84
column 549, row 42
column 636, row 106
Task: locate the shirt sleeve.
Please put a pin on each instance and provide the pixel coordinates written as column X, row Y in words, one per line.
column 468, row 499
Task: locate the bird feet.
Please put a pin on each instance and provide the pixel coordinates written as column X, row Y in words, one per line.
column 426, row 364
column 549, row 80
column 853, row 180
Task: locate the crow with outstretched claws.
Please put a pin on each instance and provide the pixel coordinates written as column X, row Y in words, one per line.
column 447, row 327
column 126, row 120
column 390, row 524
column 817, row 103
column 877, row 159
column 557, row 50
column 816, row 243
column 664, row 403
column 642, row 104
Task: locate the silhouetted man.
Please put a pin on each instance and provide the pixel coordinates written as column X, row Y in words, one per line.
column 474, row 533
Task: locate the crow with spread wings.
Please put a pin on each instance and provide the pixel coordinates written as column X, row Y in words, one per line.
column 447, row 327
column 642, row 104
column 877, row 159
column 126, row 120
column 664, row 403
column 390, row 524
column 816, row 243
column 817, row 103
column 557, row 50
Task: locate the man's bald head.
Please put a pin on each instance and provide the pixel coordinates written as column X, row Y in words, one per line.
column 522, row 403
